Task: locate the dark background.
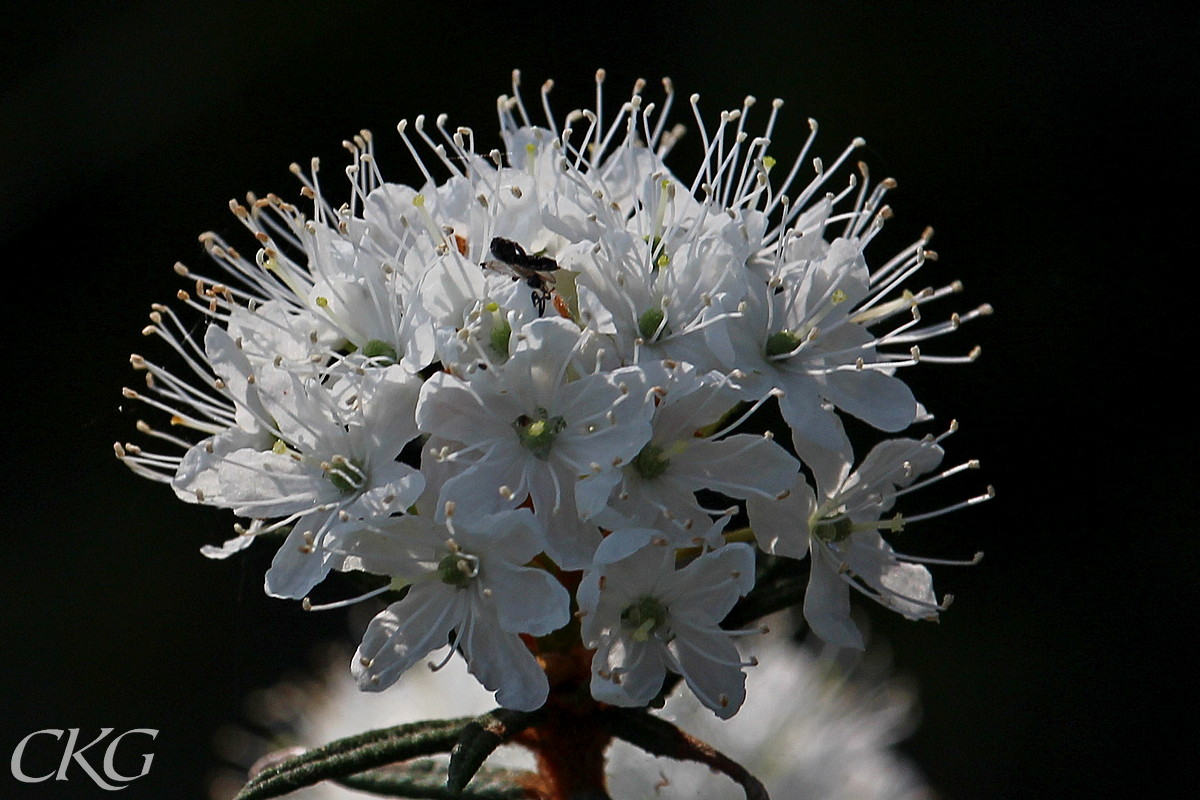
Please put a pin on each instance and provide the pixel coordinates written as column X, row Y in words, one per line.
column 1054, row 150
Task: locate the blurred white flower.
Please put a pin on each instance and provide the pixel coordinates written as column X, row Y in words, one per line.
column 815, row 726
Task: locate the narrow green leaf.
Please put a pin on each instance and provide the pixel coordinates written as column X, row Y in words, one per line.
column 354, row 754
column 426, row 780
column 479, row 738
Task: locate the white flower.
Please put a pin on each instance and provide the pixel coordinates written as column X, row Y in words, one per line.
column 658, row 295
column 841, row 533
column 330, row 457
column 469, row 585
column 644, row 617
column 689, row 452
column 524, row 430
column 289, row 448
column 796, row 335
column 814, row 726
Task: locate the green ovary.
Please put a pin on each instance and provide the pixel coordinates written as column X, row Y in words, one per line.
column 346, row 475
column 782, row 343
column 456, row 570
column 645, row 618
column 835, row 530
column 498, row 338
column 381, row 350
column 538, row 432
column 651, row 462
column 649, row 323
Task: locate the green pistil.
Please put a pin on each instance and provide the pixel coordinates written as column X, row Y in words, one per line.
column 457, row 570
column 782, row 343
column 656, row 246
column 651, row 462
column 538, row 432
column 379, row 350
column 648, row 325
column 836, row 530
column 644, row 618
column 346, row 475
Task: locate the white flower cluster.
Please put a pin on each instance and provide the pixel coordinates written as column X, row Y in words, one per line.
column 514, row 394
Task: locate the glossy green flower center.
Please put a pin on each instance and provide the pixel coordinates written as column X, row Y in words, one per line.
column 834, row 530
column 346, row 475
column 651, row 462
column 538, row 431
column 650, row 325
column 782, row 343
column 381, row 351
column 499, row 337
column 457, row 569
column 645, row 618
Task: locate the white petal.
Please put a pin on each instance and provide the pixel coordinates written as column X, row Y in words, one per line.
column 404, row 547
column 528, row 600
column 627, row 673
column 503, row 664
column 878, row 399
column 781, row 526
column 267, row 484
column 907, row 588
column 465, row 412
column 404, row 633
column 395, row 487
column 621, row 544
column 819, row 439
column 298, row 565
column 709, row 662
column 593, row 490
column 742, row 466
column 896, row 462
column 476, row 490
column 235, row 545
column 708, row 587
column 197, row 478
column 827, row 604
column 389, row 402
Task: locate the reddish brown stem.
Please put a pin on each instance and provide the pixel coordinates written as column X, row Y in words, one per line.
column 569, row 745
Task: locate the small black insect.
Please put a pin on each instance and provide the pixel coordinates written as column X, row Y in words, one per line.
column 510, row 258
